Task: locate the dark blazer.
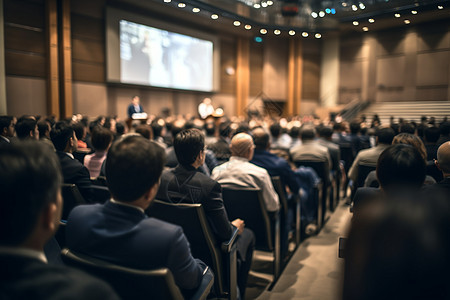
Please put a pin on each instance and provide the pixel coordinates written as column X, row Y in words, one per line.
column 24, row 277
column 74, row 172
column 221, row 150
column 131, row 110
column 335, row 153
column 125, row 236
column 187, row 185
column 363, row 196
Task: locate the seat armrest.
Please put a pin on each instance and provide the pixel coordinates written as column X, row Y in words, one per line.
column 227, row 245
column 203, row 290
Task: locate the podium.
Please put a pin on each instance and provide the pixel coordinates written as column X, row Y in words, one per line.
column 136, row 118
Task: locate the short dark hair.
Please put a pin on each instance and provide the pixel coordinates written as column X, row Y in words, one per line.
column 445, row 128
column 61, row 134
column 133, row 165
column 261, row 138
column 385, row 135
column 43, row 127
column 355, row 127
column 308, row 132
column 407, row 128
column 145, row 130
column 120, row 128
column 326, row 131
column 101, row 138
column 225, row 129
column 210, row 128
column 24, row 126
column 187, row 145
column 275, row 130
column 400, row 166
column 432, row 134
column 27, row 164
column 79, row 129
column 157, row 127
column 5, row 121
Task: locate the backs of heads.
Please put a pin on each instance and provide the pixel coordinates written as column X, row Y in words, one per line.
column 188, row 144
column 225, row 129
column 443, row 157
column 407, row 128
column 30, row 178
column 275, row 130
column 385, row 135
column 145, row 130
column 355, row 127
column 261, row 138
column 101, row 138
column 241, row 144
column 400, row 167
column 61, row 134
column 157, row 127
column 432, row 134
column 80, row 130
column 413, row 140
column 308, row 132
column 5, row 121
column 399, row 248
column 445, row 128
column 326, row 131
column 133, row 165
column 24, row 126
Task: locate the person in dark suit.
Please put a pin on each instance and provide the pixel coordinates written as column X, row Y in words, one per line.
column 29, row 219
column 65, row 142
column 119, row 230
column 186, row 184
column 221, row 148
column 134, row 107
column 7, row 124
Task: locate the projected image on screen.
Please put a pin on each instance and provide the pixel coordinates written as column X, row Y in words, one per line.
column 151, row 56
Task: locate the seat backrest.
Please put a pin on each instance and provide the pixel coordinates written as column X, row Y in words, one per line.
column 363, row 171
column 72, row 197
column 281, row 191
column 346, row 155
column 192, row 219
column 100, row 194
column 321, row 167
column 248, row 205
column 129, row 283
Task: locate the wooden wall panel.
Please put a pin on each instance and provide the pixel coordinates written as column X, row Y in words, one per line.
column 227, row 60
column 88, row 27
column 256, row 68
column 350, row 74
column 433, row 68
column 24, row 64
column 390, row 42
column 434, row 93
column 88, row 72
column 88, row 51
column 391, row 71
column 26, row 40
column 27, row 13
column 311, row 70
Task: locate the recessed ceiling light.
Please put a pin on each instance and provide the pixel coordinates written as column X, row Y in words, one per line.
column 371, row 20
column 304, row 34
column 181, row 5
column 167, row 1
column 263, row 31
column 264, row 4
column 362, row 6
column 248, row 27
column 257, row 5
column 214, row 16
column 237, row 23
column 397, row 15
column 356, row 23
column 269, row 2
column 407, row 21
column 291, row 32
column 354, row 7
column 321, row 14
column 440, row 7
column 365, row 28
column 317, row 35
column 277, row 32
column 196, row 10
column 314, row 14
column 414, row 12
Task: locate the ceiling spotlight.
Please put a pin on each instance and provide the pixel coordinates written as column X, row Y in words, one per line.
column 328, row 10
column 440, row 7
column 397, row 15
column 196, row 10
column 407, row 21
column 356, row 23
column 344, row 4
column 371, row 21
column 181, row 5
column 414, row 12
column 304, row 34
column 167, row 1
column 321, row 14
column 237, row 23
column 362, row 6
column 314, row 14
column 257, row 5
column 291, row 32
column 263, row 31
column 214, row 16
column 264, row 4
column 317, row 35
column 333, row 11
column 354, row 7
column 365, row 28
column 276, row 32
column 269, row 2
column 248, row 27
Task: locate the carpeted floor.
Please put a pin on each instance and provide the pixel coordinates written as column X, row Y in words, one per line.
column 314, row 271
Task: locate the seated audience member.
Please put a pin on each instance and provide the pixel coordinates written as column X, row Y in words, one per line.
column 370, row 156
column 210, row 130
column 444, row 129
column 159, row 130
column 279, row 140
column 240, row 173
column 119, row 231
column 400, row 168
column 407, row 139
column 145, row 130
column 335, row 153
column 65, row 142
column 407, row 128
column 44, row 129
column 294, row 133
column 221, row 148
column 357, row 141
column 101, row 141
column 26, row 128
column 120, row 130
column 7, row 124
column 399, row 248
column 443, row 164
column 431, row 136
column 185, row 184
column 310, row 149
column 80, row 132
column 30, row 218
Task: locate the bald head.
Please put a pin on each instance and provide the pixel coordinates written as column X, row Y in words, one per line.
column 242, row 145
column 443, row 158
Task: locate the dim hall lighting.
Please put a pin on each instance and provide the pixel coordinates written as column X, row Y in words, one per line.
column 397, row 15
column 181, row 5
column 365, row 28
column 407, row 21
column 214, row 16
column 263, row 31
column 305, row 34
column 248, row 27
column 317, row 35
column 196, row 10
column 356, row 23
column 277, row 32
column 371, row 20
column 237, row 23
column 291, row 32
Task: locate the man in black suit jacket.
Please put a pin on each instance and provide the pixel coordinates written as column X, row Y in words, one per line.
column 65, row 142
column 120, row 232
column 29, row 218
column 186, row 184
column 443, row 164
